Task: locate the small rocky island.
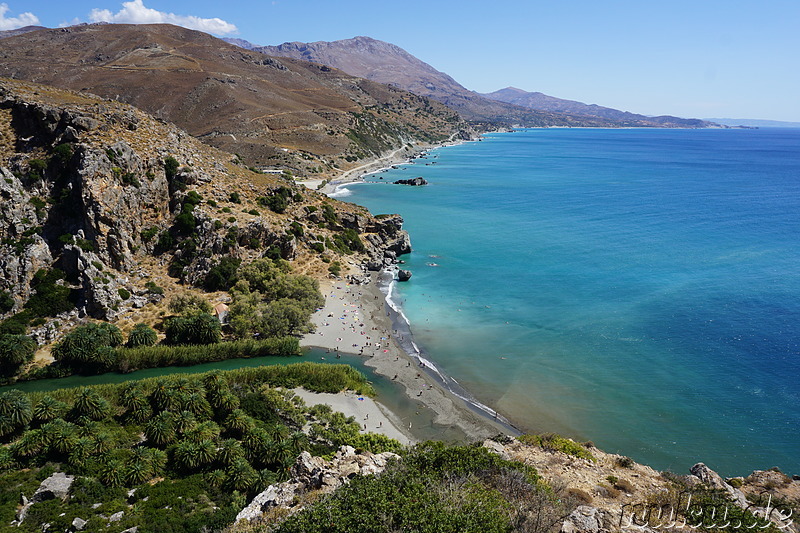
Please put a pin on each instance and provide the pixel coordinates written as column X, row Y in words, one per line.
column 418, row 181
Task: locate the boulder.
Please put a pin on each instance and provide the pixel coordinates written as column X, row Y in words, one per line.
column 584, row 519
column 403, row 275
column 78, row 524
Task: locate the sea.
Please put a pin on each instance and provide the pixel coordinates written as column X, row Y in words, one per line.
column 636, row 288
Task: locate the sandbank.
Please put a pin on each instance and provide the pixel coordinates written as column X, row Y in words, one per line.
column 373, row 417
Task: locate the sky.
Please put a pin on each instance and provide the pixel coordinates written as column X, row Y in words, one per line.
column 699, row 58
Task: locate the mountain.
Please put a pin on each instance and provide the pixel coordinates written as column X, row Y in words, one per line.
column 544, row 102
column 19, row 31
column 241, row 43
column 274, row 112
column 389, row 64
column 754, row 123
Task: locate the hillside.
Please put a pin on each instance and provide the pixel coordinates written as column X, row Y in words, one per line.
column 389, row 64
column 278, row 113
column 543, row 102
column 123, row 204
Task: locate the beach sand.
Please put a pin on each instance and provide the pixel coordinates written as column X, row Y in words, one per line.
column 373, row 417
column 355, row 320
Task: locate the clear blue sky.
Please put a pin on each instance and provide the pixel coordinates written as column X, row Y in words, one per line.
column 699, row 58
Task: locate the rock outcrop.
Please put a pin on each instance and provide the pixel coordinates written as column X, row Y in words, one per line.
column 414, row 182
column 315, row 474
column 54, row 487
column 403, row 275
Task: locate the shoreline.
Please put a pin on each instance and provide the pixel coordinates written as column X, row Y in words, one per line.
column 402, row 155
column 357, row 319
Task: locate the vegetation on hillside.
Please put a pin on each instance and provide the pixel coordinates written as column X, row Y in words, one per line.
column 194, row 447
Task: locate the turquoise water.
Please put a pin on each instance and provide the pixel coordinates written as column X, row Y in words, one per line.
column 638, row 288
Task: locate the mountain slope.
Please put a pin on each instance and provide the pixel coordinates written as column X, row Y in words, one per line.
column 117, row 199
column 386, row 63
column 544, row 102
column 277, row 112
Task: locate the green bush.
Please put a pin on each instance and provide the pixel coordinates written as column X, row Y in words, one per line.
column 6, row 302
column 152, row 288
column 50, row 298
column 123, row 293
column 222, row 276
column 553, row 442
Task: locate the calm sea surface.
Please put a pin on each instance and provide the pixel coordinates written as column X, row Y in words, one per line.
column 636, row 288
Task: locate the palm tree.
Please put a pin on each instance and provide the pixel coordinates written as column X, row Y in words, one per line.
column 60, row 435
column 139, row 410
column 47, row 409
column 136, row 471
column 158, row 461
column 238, row 422
column 111, row 473
column 206, row 452
column 31, row 443
column 205, row 430
column 187, row 455
column 229, row 451
column 197, row 403
column 283, row 454
column 214, row 383
column 299, row 441
column 215, row 478
column 278, row 432
column 228, row 401
column 161, row 429
column 241, row 476
column 101, row 443
column 80, row 451
column 185, row 421
column 89, row 403
column 15, row 411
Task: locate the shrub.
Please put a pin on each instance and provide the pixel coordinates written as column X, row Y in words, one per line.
column 50, row 298
column 557, row 443
column 170, row 167
column 580, row 495
column 124, row 293
column 222, row 276
column 149, row 233
column 6, row 302
column 141, row 335
column 152, row 288
column 624, row 462
column 235, row 198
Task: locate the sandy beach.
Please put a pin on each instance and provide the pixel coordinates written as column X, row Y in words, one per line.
column 354, row 320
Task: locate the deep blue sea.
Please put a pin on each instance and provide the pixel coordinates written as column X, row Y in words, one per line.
column 637, row 288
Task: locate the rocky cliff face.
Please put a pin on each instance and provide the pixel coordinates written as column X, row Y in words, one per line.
column 98, row 188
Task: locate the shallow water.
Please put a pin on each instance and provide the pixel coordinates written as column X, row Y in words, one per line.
column 638, row 288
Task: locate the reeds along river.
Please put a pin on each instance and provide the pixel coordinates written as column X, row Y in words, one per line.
column 636, row 287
